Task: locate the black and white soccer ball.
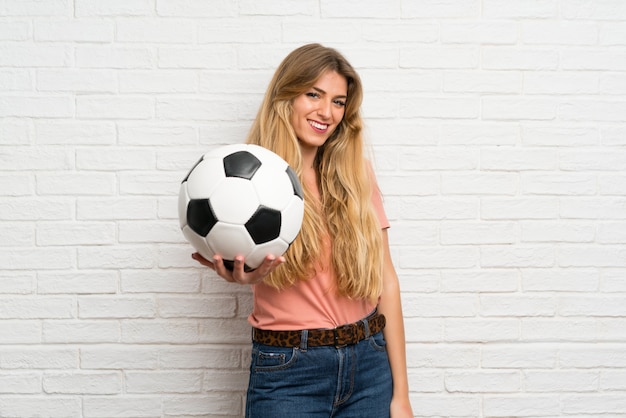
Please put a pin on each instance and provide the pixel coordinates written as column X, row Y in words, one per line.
column 241, row 199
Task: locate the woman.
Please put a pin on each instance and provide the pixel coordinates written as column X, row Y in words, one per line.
column 328, row 333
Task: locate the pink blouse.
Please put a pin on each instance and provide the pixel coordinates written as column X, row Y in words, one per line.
column 312, row 303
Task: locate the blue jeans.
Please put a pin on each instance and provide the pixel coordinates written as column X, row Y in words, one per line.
column 315, row 382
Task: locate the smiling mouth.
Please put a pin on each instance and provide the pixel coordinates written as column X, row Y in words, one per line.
column 318, row 126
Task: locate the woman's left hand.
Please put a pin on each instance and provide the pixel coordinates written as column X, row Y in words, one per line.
column 400, row 408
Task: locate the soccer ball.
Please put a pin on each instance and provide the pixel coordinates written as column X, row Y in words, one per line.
column 241, row 199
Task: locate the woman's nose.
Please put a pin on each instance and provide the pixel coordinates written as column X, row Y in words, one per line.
column 324, row 108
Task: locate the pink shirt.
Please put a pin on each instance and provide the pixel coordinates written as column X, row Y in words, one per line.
column 312, row 303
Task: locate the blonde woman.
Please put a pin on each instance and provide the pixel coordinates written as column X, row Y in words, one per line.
column 328, row 333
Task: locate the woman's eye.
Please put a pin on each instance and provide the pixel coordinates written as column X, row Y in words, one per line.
column 341, row 103
column 313, row 94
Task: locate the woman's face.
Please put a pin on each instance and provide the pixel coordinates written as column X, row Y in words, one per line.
column 317, row 112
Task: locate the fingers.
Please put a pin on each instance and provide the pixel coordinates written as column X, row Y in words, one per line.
column 238, row 274
column 220, row 268
column 202, row 260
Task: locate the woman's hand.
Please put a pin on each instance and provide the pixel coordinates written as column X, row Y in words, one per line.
column 400, row 408
column 238, row 275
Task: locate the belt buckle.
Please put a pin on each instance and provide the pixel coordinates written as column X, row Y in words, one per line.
column 348, row 328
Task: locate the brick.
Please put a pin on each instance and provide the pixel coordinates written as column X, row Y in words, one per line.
column 14, row 132
column 75, row 133
column 441, row 9
column 528, row 406
column 593, row 208
column 15, row 80
column 103, row 307
column 23, row 258
column 464, row 233
column 196, row 8
column 36, row 107
column 111, row 159
column 559, row 136
column 39, row 357
column 73, row 31
column 161, row 135
column 32, row 55
column 22, row 235
column 557, row 232
column 483, row 281
column 497, row 32
column 158, row 82
column 19, row 332
column 81, row 332
column 483, row 82
column 20, row 383
column 116, row 57
column 509, row 58
column 446, row 57
column 473, row 382
column 121, row 407
column 115, row 257
column 76, row 184
column 244, row 30
column 399, row 31
column 480, row 331
column 149, row 184
column 92, row 81
column 163, row 382
column 83, row 383
column 15, row 30
column 162, row 31
column 568, row 280
column 558, row 330
column 208, row 57
column 123, row 208
column 60, row 407
column 555, row 82
column 114, row 8
column 115, row 356
column 118, row 107
column 517, row 256
column 518, row 159
column 76, row 282
column 505, row 108
column 593, row 59
column 416, row 305
column 498, row 9
column 562, row 33
column 458, row 356
column 574, row 184
column 597, row 10
column 195, row 109
column 206, row 307
column 515, row 356
column 612, row 33
column 517, row 306
column 482, row 183
column 279, row 7
column 179, row 281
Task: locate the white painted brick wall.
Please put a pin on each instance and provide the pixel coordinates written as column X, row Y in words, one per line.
column 498, row 129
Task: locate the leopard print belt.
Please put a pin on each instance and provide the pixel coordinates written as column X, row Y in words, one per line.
column 339, row 337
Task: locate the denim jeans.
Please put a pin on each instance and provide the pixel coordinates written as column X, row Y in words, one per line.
column 310, row 382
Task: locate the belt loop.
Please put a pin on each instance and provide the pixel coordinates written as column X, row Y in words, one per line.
column 304, row 337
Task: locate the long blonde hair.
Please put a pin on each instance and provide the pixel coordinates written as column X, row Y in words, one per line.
column 346, row 211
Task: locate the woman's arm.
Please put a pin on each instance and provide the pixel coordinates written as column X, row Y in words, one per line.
column 390, row 305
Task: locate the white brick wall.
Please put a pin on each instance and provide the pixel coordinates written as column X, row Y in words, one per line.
column 498, row 128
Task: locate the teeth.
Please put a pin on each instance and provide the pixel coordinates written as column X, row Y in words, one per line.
column 317, row 125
